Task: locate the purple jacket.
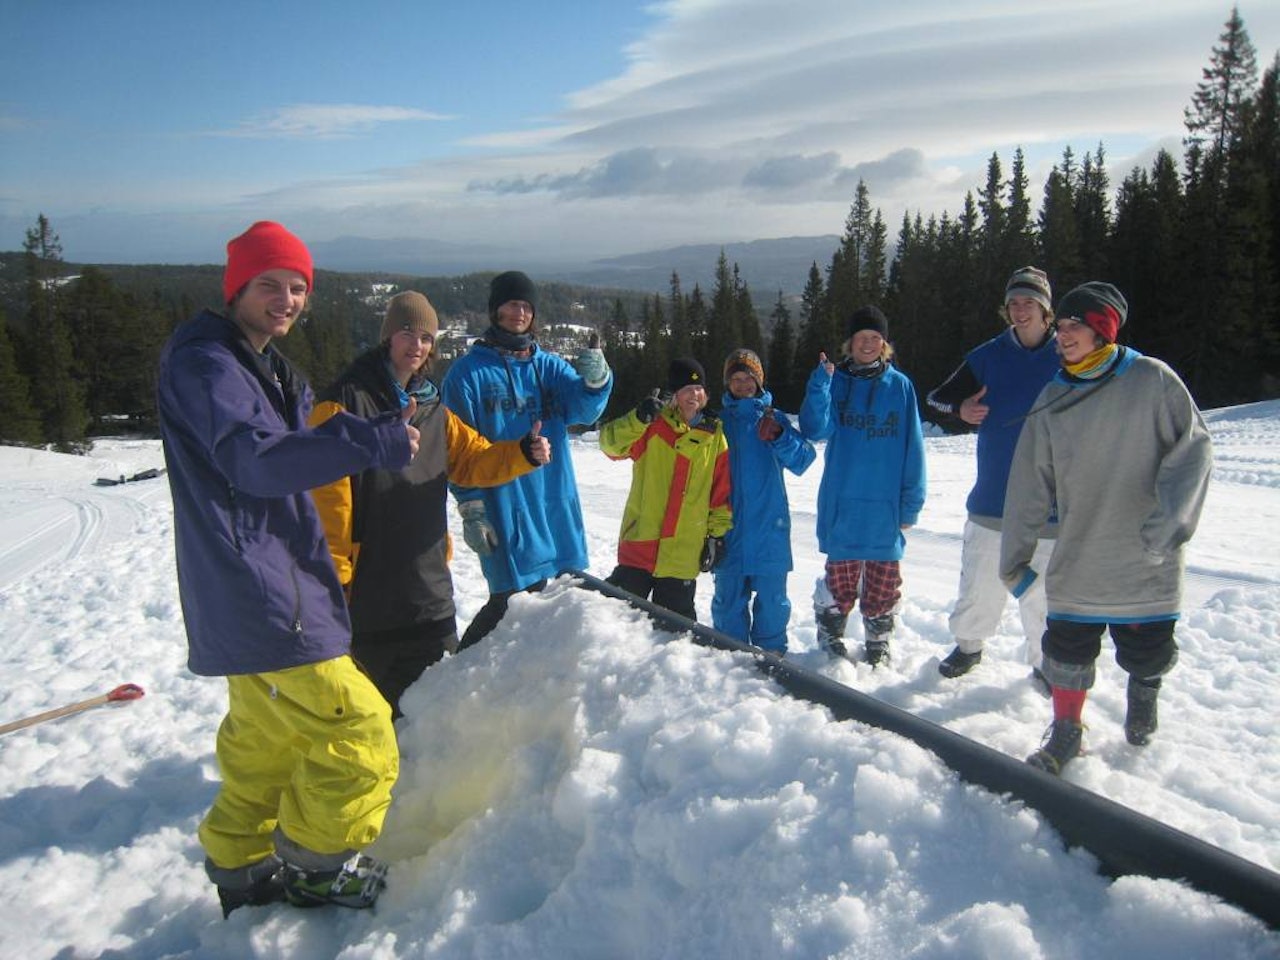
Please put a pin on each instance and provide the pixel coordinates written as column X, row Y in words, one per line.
column 258, row 587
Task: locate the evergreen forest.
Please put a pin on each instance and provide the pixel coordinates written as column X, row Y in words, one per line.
column 1194, row 245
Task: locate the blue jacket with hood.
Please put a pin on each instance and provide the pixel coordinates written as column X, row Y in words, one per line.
column 873, row 479
column 760, row 540
column 257, row 584
column 538, row 517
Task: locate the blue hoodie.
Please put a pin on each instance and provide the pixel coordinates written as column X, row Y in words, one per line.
column 258, row 588
column 873, row 480
column 538, row 517
column 760, row 540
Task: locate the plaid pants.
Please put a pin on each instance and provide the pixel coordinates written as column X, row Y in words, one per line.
column 876, row 584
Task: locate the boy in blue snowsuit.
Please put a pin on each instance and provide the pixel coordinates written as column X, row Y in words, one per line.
column 757, row 556
column 873, row 482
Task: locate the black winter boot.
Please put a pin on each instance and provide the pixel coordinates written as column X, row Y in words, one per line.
column 958, row 663
column 1140, row 720
column 1061, row 745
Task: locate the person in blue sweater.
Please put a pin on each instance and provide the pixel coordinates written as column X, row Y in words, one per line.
column 873, row 482
column 507, row 387
column 757, row 554
column 307, row 751
column 992, row 390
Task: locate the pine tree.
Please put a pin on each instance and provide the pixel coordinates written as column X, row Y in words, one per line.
column 681, row 336
column 779, row 363
column 723, row 329
column 1224, row 231
column 19, row 423
column 58, row 393
column 815, row 336
column 1092, row 206
column 748, row 324
column 1215, row 118
column 1059, row 230
column 845, row 291
column 993, row 267
column 1143, row 255
column 1019, row 234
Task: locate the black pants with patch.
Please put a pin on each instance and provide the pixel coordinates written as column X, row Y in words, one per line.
column 1143, row 650
column 674, row 594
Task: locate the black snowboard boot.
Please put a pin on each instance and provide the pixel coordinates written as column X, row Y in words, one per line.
column 355, row 884
column 958, row 663
column 254, row 885
column 1061, row 745
column 877, row 631
column 1140, row 720
column 831, row 623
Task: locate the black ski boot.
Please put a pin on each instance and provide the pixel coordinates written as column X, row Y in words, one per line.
column 1061, row 745
column 831, row 623
column 1140, row 720
column 877, row 631
column 958, row 663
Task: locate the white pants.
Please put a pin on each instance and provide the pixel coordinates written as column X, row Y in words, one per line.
column 983, row 595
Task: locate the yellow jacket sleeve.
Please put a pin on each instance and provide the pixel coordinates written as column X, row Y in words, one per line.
column 474, row 461
column 333, row 501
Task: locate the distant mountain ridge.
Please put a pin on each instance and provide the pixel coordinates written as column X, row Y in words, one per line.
column 766, row 266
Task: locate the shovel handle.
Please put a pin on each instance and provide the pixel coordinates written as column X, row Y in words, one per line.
column 126, row 691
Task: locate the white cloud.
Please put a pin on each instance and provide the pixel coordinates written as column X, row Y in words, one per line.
column 325, row 121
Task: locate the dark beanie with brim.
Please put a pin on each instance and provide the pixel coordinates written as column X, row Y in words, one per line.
column 512, row 285
column 685, row 372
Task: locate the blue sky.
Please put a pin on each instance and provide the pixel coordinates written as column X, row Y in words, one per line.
column 152, row 131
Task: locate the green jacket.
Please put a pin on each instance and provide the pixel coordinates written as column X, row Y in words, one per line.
column 679, row 490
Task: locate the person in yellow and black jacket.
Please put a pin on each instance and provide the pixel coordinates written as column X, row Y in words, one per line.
column 678, row 510
column 387, row 529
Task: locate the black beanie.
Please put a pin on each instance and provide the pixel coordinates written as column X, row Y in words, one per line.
column 1098, row 304
column 685, row 372
column 512, row 285
column 867, row 318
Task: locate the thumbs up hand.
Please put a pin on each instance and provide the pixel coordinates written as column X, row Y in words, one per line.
column 972, row 410
column 649, row 407
column 535, row 447
column 768, row 429
column 591, row 365
column 406, row 415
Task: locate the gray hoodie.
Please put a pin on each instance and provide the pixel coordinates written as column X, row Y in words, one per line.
column 1126, row 459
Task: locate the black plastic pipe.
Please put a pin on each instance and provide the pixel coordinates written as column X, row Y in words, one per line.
column 1123, row 840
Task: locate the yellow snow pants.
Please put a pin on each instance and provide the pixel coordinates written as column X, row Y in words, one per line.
column 310, row 749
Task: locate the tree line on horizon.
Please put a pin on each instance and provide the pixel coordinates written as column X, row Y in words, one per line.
column 1196, row 252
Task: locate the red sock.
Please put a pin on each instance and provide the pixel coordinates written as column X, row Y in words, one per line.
column 1068, row 704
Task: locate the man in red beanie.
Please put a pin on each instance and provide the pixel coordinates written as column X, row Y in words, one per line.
column 1114, row 443
column 307, row 751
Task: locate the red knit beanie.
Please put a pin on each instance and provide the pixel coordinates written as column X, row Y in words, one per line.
column 264, row 246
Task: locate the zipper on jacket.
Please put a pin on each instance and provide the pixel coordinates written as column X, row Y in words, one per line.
column 235, row 518
column 296, row 626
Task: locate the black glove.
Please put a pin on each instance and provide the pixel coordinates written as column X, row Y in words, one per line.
column 650, row 406
column 712, row 553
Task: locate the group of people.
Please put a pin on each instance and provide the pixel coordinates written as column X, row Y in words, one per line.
column 313, row 551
